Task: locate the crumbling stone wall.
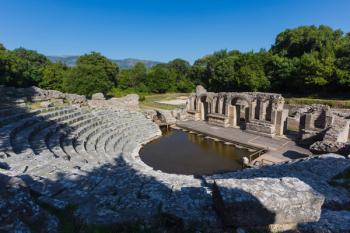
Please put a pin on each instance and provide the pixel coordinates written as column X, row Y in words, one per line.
column 129, row 102
column 37, row 94
column 256, row 112
column 324, row 130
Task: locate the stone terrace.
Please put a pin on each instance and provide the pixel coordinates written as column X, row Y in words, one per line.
column 278, row 149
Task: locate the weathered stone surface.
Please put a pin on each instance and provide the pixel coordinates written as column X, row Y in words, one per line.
column 264, row 111
column 75, row 99
column 166, row 117
column 89, row 158
column 324, row 129
column 37, row 94
column 264, row 201
column 330, row 147
column 269, row 190
column 129, row 102
column 98, row 96
column 46, row 104
column 200, row 90
column 18, row 211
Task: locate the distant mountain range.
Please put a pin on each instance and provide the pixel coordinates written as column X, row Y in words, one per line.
column 122, row 63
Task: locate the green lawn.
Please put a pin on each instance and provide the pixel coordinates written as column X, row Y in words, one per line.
column 334, row 103
column 150, row 101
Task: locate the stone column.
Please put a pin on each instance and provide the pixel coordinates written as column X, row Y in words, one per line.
column 221, row 102
column 274, row 117
column 262, row 113
column 191, row 104
column 281, row 117
column 231, row 115
column 252, row 107
column 309, row 121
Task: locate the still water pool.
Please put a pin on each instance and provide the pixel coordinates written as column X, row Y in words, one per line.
column 180, row 152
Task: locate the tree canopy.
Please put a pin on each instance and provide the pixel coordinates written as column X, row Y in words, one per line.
column 303, row 60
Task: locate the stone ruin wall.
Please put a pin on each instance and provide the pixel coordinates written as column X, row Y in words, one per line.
column 255, row 112
column 323, row 129
column 35, row 94
column 320, row 128
column 48, row 98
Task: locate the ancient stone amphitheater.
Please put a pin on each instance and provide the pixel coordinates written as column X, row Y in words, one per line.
column 72, row 153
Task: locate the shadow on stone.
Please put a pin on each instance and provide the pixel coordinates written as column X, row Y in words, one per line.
column 294, row 154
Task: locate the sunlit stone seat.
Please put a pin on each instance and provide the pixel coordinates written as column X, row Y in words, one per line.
column 218, row 119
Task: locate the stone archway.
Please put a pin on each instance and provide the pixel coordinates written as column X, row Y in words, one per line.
column 239, row 110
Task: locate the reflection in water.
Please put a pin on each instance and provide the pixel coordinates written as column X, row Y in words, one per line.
column 191, row 154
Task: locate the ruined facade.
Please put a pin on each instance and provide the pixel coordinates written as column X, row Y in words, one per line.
column 255, row 112
column 325, row 130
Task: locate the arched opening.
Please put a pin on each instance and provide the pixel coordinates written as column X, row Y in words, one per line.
column 241, row 114
column 217, row 105
column 223, row 108
column 268, row 111
column 257, row 109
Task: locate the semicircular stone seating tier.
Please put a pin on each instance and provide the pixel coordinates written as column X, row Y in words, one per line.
column 78, row 155
column 89, row 158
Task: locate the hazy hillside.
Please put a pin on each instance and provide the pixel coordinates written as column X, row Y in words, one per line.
column 122, row 63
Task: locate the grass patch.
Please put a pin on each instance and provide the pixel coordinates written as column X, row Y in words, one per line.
column 331, row 102
column 33, row 105
column 150, row 101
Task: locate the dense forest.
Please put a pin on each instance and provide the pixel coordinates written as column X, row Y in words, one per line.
column 307, row 60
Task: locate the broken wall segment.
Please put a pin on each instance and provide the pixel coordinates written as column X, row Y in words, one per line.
column 260, row 113
column 324, row 130
column 37, row 94
column 265, row 201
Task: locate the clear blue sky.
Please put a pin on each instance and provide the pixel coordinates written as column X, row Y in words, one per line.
column 159, row 29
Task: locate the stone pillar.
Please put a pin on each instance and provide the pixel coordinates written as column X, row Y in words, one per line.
column 191, row 103
column 221, row 102
column 198, row 104
column 262, row 113
column 274, row 117
column 202, row 111
column 232, row 116
column 252, row 107
column 213, row 105
column 309, row 121
column 281, row 117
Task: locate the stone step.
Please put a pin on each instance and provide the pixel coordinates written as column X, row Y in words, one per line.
column 23, row 137
column 41, row 139
column 10, row 130
column 38, row 142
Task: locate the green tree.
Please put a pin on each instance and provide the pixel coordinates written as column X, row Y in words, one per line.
column 134, row 77
column 22, row 67
column 161, row 79
column 180, row 66
column 251, row 73
column 93, row 73
column 306, row 39
column 225, row 77
column 53, row 76
column 343, row 63
column 281, row 73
